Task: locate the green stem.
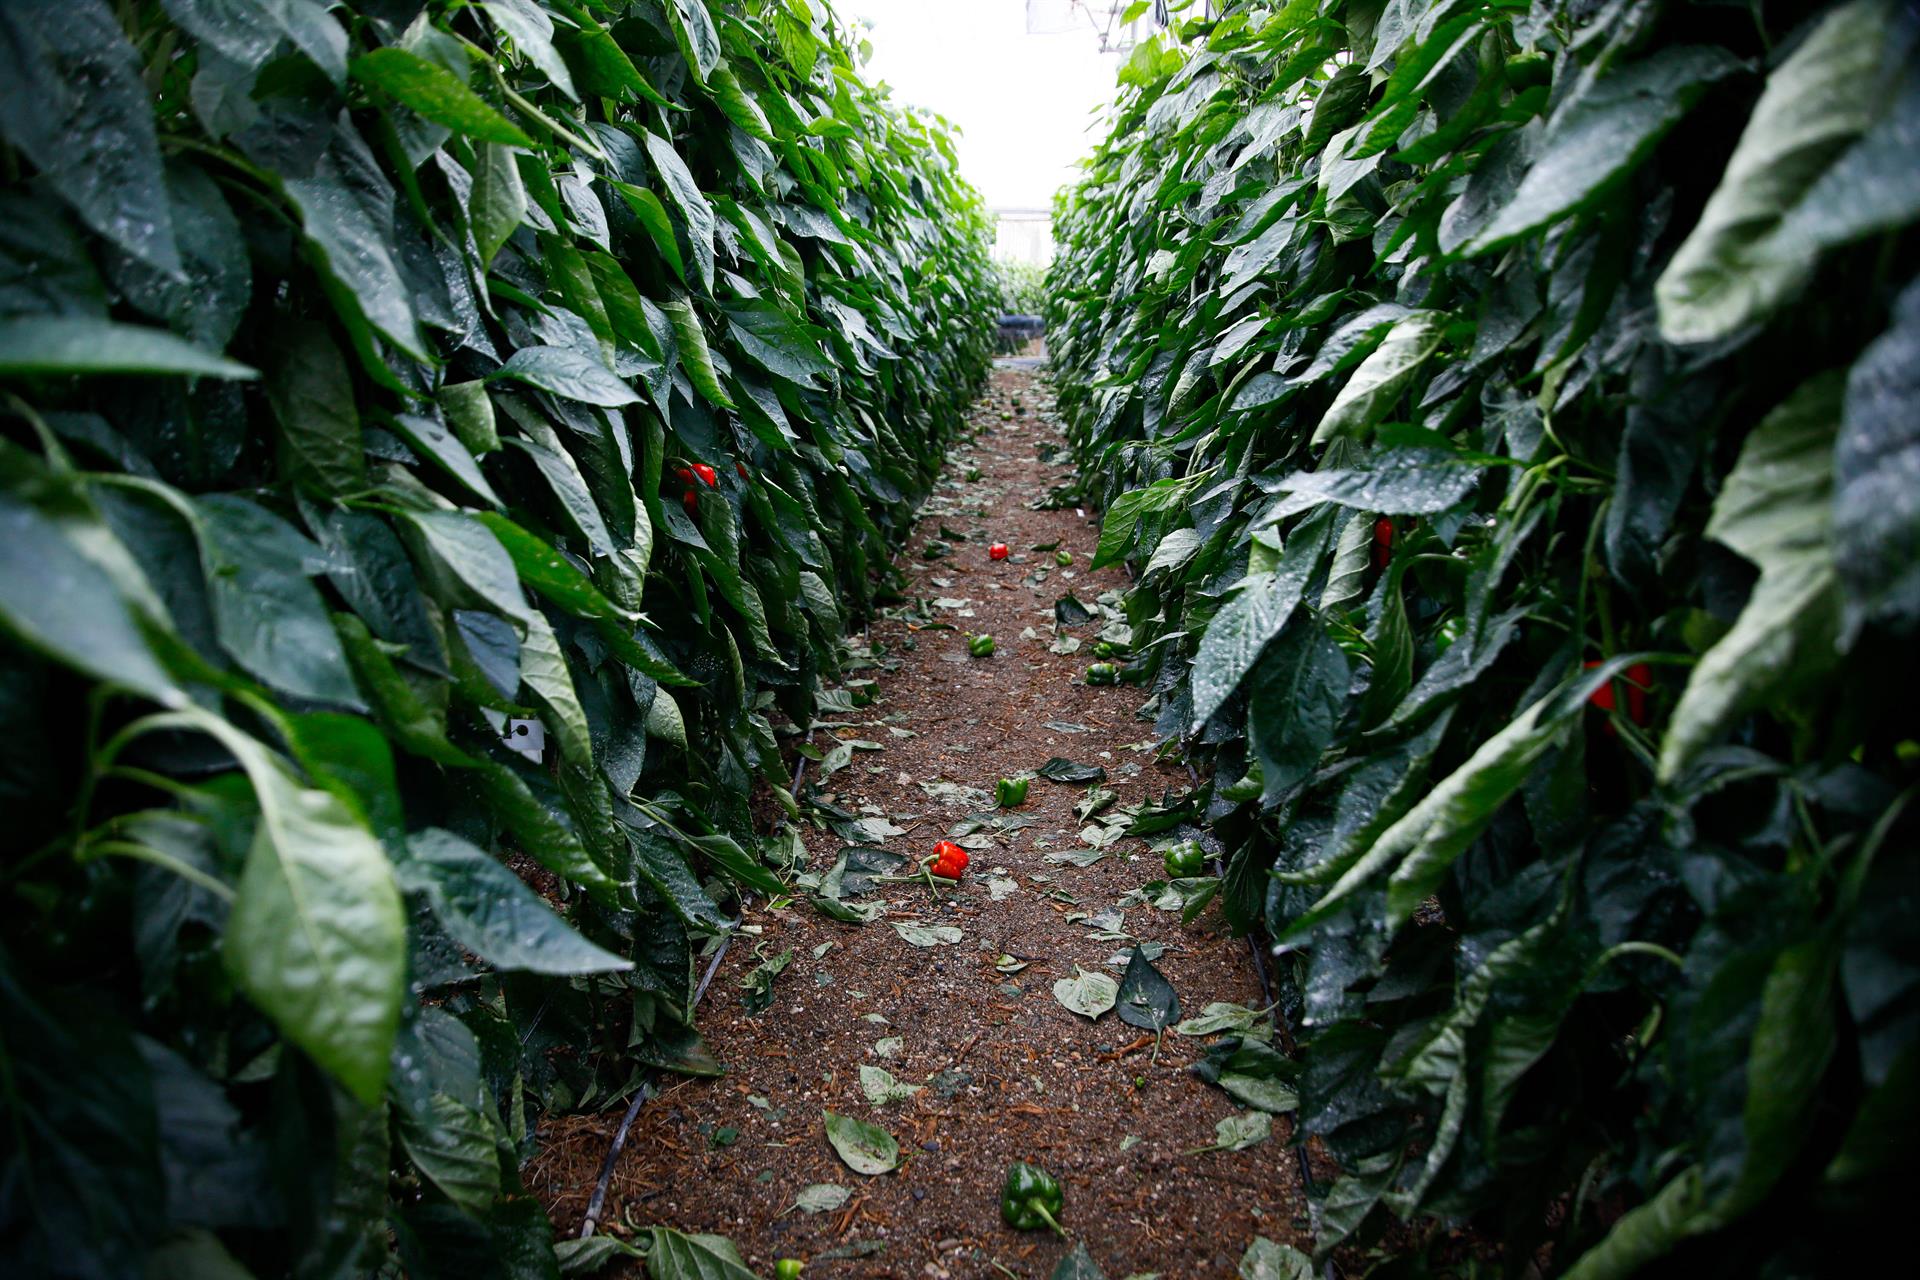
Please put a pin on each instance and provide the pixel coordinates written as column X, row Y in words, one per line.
column 144, row 853
column 1041, row 1209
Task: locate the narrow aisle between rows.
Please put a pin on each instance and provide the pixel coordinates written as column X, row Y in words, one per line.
column 946, row 1023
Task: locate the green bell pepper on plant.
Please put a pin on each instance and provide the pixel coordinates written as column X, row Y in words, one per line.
column 1011, row 793
column 980, row 646
column 1031, row 1199
column 1185, row 859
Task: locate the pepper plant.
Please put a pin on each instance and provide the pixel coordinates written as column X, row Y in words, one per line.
column 381, row 707
column 1510, row 411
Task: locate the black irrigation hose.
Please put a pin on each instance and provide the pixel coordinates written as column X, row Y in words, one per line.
column 645, row 1091
column 1258, row 953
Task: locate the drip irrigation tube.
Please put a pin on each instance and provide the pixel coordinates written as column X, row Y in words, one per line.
column 640, row 1096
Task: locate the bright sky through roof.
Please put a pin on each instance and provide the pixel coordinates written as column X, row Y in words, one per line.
column 1024, row 104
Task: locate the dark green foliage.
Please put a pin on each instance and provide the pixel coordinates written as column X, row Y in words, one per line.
column 1440, row 366
column 361, row 370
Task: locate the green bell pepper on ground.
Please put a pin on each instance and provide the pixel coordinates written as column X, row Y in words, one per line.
column 1185, row 859
column 1011, row 793
column 1102, row 673
column 980, row 646
column 1031, row 1199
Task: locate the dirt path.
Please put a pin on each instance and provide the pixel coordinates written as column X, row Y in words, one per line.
column 1009, row 1073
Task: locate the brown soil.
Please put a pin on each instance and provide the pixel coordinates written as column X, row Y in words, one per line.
column 1010, row 1073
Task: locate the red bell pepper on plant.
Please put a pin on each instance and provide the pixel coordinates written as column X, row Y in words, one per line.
column 1639, row 679
column 708, row 476
column 691, row 501
column 998, row 551
column 1382, row 542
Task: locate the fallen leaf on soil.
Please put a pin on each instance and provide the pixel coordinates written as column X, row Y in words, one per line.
column 881, row 1088
column 939, row 935
column 866, row 1148
column 1265, row 1260
column 1087, row 993
column 822, row 1197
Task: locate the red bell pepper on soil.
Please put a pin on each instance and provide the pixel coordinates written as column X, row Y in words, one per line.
column 998, row 551
column 949, row 860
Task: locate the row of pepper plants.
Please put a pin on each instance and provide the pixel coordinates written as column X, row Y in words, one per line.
column 386, row 387
column 1511, row 412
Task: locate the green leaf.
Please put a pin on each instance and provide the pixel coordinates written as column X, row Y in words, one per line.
column 1240, row 632
column 544, row 673
column 454, row 1146
column 470, row 413
column 780, row 344
column 1265, row 1260
column 430, row 436
column 1077, row 1263
column 69, row 588
column 550, row 573
column 316, row 937
column 687, row 197
column 1420, row 846
column 1731, row 272
column 491, row 912
column 695, row 356
column 1377, row 385
column 1876, row 507
column 567, row 373
column 1870, row 188
column 73, row 102
column 1403, row 481
column 271, row 619
column 659, row 226
column 1775, row 509
column 696, row 35
column 246, row 31
column 674, row 1256
column 311, row 392
column 499, row 202
column 1087, row 993
column 347, row 209
column 1061, row 769
column 531, row 30
column 1145, row 998
column 473, row 555
column 1649, row 1231
column 880, row 1087
column 1294, row 703
column 1602, row 132
column 436, row 94
column 58, row 345
column 822, row 1197
column 866, row 1148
